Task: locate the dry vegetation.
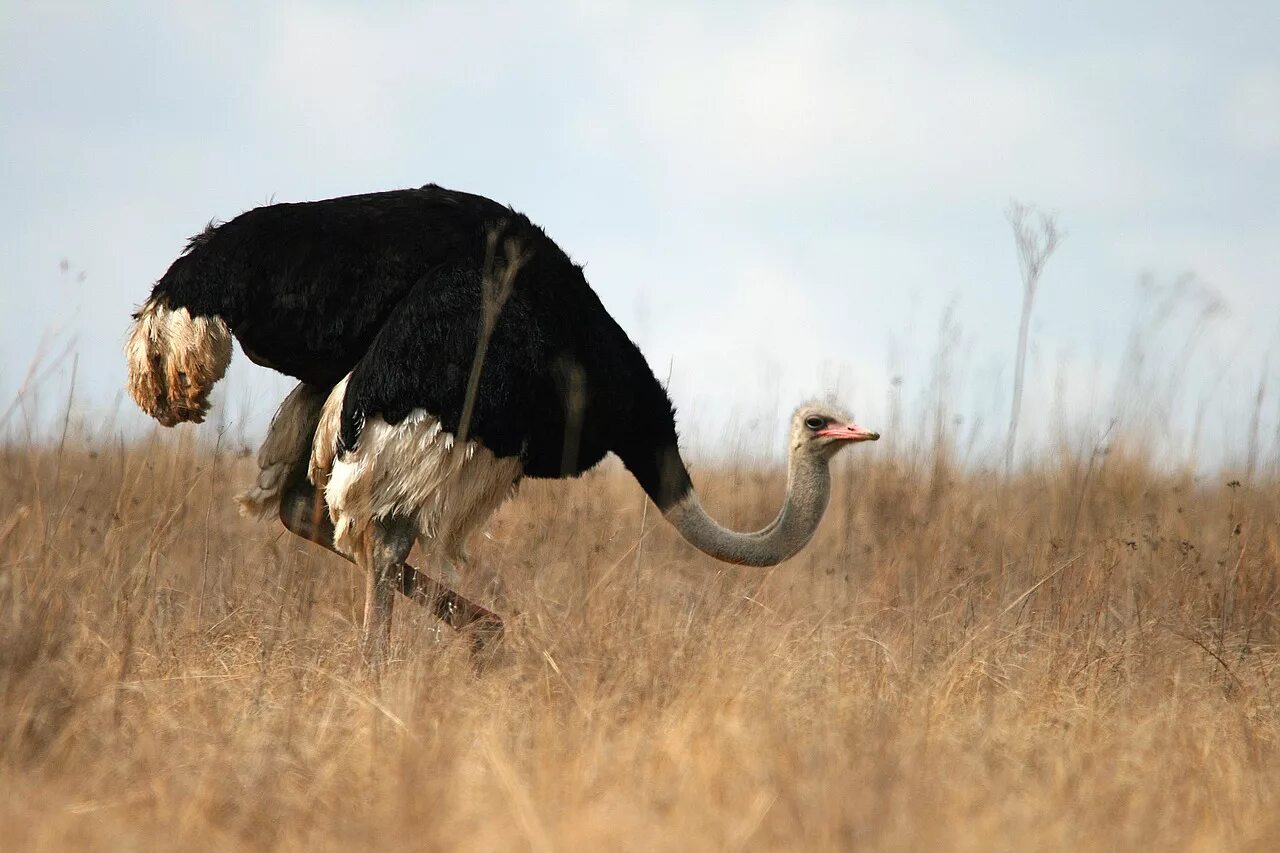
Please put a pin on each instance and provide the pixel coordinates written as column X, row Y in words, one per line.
column 1082, row 658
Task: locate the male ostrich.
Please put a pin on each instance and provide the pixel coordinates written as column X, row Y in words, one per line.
column 445, row 348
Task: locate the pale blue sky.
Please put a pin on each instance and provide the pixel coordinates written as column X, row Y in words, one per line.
column 776, row 200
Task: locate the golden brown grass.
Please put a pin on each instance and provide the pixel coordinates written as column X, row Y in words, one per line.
column 1082, row 659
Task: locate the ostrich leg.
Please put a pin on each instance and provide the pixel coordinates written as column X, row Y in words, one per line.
column 303, row 512
column 386, row 547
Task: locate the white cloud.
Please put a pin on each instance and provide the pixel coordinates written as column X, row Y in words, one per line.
column 867, row 100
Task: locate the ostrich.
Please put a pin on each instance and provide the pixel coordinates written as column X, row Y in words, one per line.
column 445, row 348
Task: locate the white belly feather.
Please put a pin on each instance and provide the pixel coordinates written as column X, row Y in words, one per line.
column 407, row 470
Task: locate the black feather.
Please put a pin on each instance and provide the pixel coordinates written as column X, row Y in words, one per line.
column 389, row 288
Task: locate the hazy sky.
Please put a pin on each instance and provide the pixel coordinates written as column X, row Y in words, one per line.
column 776, row 200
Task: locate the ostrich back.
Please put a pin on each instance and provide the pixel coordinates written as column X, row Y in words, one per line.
column 387, row 287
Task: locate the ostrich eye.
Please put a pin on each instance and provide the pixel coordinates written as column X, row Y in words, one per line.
column 815, row 422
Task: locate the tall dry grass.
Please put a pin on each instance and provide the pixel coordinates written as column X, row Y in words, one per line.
column 1082, row 658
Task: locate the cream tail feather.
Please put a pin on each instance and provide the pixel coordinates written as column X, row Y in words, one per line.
column 174, row 360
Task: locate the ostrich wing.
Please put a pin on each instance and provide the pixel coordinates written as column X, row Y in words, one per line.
column 423, row 356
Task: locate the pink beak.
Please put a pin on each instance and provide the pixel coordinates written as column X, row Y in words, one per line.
column 851, row 432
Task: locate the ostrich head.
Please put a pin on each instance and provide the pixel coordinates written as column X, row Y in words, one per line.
column 823, row 430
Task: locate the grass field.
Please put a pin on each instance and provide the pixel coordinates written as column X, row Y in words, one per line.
column 1080, row 657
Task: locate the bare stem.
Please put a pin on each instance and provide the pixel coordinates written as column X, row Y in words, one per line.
column 495, row 288
column 1035, row 242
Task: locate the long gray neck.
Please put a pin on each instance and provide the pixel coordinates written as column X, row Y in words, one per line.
column 808, row 489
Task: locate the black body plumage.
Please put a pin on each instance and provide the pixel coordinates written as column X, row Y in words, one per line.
column 388, row 287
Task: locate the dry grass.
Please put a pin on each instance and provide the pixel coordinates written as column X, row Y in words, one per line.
column 1082, row 661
